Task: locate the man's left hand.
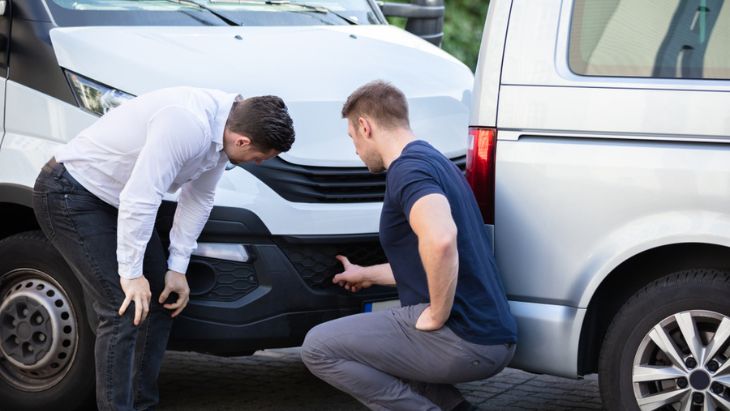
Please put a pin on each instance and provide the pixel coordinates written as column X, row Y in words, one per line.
column 176, row 283
column 427, row 322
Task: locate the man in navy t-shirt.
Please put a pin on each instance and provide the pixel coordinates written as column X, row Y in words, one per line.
column 454, row 324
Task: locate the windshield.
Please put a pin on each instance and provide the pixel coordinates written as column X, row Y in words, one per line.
column 185, row 13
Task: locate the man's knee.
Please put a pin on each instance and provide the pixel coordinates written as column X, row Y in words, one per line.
column 335, row 340
column 314, row 351
column 323, row 345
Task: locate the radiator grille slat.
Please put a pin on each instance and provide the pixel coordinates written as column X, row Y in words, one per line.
column 309, row 184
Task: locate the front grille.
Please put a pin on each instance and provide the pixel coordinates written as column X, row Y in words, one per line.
column 316, row 263
column 309, row 184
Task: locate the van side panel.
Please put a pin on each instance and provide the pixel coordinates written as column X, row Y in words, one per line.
column 627, row 113
column 486, row 82
column 569, row 210
column 36, row 124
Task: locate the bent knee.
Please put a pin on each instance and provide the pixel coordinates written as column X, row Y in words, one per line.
column 323, row 344
column 313, row 347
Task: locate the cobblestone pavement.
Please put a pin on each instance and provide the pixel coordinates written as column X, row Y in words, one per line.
column 277, row 380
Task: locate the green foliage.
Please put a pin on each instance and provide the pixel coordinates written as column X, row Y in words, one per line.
column 463, row 25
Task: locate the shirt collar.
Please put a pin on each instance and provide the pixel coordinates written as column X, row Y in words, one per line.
column 225, row 102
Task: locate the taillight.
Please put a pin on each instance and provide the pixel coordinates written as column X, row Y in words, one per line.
column 480, row 161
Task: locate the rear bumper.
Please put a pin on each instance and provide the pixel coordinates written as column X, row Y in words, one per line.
column 548, row 338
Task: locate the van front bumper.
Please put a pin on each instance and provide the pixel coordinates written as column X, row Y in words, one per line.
column 273, row 299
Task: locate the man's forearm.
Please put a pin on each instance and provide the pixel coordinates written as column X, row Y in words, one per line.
column 441, row 263
column 135, row 223
column 431, row 220
column 193, row 209
column 381, row 274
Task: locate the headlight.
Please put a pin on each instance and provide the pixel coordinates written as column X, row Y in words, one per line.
column 95, row 97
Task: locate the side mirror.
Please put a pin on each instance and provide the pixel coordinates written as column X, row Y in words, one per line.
column 425, row 17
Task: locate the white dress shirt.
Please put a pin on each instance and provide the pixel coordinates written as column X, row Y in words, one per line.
column 155, row 143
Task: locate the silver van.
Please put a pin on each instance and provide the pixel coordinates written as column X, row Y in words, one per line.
column 599, row 152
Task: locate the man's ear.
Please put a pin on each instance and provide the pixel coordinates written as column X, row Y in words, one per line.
column 365, row 126
column 242, row 141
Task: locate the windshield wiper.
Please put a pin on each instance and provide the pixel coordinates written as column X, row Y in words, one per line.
column 223, row 17
column 318, row 9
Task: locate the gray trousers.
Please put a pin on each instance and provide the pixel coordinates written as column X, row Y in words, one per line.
column 383, row 361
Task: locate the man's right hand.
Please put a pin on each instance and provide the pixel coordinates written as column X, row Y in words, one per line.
column 137, row 290
column 354, row 278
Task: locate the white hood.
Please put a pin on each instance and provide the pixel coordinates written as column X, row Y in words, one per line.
column 313, row 69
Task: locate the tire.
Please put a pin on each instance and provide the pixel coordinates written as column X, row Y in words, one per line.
column 647, row 358
column 46, row 345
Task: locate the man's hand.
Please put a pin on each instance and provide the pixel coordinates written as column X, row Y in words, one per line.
column 354, row 278
column 176, row 283
column 137, row 290
column 427, row 322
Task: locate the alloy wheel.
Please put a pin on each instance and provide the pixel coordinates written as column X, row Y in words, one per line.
column 683, row 363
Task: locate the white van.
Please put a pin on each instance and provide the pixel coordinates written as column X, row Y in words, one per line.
column 261, row 276
column 600, row 156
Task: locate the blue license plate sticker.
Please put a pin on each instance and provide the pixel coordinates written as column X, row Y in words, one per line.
column 380, row 305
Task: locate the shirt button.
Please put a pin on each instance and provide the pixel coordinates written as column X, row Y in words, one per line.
column 475, row 363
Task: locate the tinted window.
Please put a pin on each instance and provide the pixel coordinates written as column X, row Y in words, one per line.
column 651, row 38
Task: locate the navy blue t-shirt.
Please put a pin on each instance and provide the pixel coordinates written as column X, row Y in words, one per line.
column 480, row 313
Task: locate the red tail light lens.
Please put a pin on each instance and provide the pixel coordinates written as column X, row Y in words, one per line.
column 480, row 162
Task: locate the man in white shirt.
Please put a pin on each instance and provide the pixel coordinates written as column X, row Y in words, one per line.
column 98, row 198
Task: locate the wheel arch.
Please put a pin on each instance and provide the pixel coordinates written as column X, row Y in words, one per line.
column 629, row 277
column 16, row 210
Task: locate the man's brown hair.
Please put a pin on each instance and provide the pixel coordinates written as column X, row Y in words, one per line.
column 265, row 120
column 379, row 100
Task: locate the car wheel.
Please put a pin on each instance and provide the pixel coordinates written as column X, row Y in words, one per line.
column 46, row 345
column 667, row 348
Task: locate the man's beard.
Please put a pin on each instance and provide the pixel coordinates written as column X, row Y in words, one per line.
column 375, row 164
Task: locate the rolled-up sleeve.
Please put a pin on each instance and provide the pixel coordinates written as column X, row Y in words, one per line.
column 174, row 135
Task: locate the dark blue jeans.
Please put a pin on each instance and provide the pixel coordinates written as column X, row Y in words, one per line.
column 84, row 230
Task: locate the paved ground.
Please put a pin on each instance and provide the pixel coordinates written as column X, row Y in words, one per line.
column 277, row 380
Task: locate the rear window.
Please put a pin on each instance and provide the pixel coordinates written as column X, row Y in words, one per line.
column 651, row 38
